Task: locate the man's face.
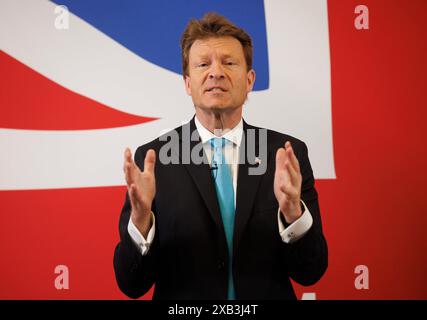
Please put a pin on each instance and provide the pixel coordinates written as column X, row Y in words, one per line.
column 218, row 79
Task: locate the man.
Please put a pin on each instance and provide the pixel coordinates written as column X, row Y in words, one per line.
column 219, row 229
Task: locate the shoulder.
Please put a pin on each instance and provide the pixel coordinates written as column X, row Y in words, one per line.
column 277, row 139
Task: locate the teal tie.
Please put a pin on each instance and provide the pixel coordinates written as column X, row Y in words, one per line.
column 225, row 193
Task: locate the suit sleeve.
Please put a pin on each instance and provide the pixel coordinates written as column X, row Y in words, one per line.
column 135, row 273
column 307, row 258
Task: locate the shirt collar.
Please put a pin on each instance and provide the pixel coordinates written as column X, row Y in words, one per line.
column 234, row 135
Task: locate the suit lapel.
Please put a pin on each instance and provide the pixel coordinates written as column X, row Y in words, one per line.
column 247, row 186
column 201, row 175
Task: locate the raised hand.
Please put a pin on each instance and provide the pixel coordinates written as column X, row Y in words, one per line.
column 287, row 183
column 141, row 188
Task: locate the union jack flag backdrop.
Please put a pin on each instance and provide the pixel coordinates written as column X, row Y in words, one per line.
column 82, row 80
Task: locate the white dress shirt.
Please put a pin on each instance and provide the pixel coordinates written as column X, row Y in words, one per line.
column 231, row 153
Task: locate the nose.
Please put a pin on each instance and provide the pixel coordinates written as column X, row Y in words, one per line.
column 216, row 71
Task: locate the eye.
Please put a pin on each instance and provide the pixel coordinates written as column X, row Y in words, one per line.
column 229, row 63
column 202, row 65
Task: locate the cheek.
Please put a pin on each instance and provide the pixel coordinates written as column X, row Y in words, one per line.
column 243, row 86
column 196, row 86
column 243, row 81
column 197, row 92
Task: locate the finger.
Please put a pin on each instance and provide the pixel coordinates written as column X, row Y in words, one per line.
column 292, row 173
column 280, row 158
column 129, row 167
column 127, row 158
column 128, row 155
column 128, row 173
column 284, row 179
column 288, row 178
column 292, row 156
column 150, row 161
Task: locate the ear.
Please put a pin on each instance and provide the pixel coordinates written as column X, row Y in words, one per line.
column 187, row 85
column 251, row 80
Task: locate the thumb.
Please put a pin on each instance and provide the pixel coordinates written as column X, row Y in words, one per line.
column 150, row 161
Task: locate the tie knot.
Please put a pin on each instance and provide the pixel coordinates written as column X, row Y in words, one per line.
column 218, row 143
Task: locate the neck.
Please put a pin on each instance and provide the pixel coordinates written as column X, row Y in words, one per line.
column 219, row 121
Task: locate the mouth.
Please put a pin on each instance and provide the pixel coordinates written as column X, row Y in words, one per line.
column 216, row 89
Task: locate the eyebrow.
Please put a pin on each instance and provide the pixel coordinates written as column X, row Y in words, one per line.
column 224, row 56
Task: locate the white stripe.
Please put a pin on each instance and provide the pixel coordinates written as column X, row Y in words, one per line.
column 299, row 99
column 31, row 159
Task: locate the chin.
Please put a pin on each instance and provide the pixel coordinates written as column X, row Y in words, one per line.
column 219, row 109
column 216, row 105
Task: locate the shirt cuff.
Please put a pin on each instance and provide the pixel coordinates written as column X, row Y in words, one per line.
column 142, row 244
column 298, row 228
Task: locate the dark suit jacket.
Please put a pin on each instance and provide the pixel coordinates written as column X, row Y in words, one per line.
column 189, row 257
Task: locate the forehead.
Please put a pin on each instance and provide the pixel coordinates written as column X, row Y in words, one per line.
column 216, row 45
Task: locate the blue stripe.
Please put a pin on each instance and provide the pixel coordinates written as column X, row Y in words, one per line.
column 152, row 29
